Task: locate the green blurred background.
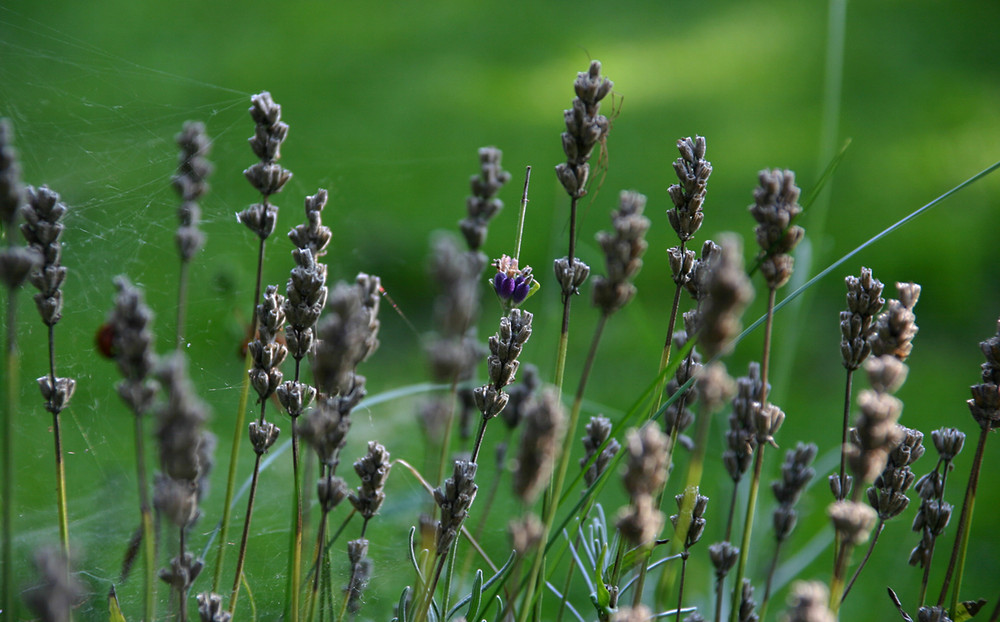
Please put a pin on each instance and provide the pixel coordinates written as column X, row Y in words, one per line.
column 387, row 104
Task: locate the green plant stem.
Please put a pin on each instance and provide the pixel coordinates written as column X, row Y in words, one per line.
column 181, row 593
column 956, row 564
column 837, row 582
column 480, row 434
column 564, row 456
column 182, row 287
column 238, row 430
column 246, row 535
column 521, row 213
column 668, row 343
column 295, row 555
column 57, row 441
column 843, row 435
column 11, row 374
column 316, row 571
column 680, row 589
column 448, row 428
column 868, row 554
column 758, row 462
column 564, row 331
column 146, row 517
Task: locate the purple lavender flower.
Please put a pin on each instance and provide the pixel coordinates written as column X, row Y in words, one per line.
column 512, row 285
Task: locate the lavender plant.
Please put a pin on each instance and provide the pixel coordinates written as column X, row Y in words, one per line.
column 573, row 551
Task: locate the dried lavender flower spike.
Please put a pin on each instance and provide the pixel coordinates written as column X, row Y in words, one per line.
column 57, row 591
column 193, row 169
column 623, row 250
column 544, row 421
column 454, row 498
column 598, row 430
column 864, row 302
column 42, row 230
column 728, row 293
column 852, row 521
column 211, row 608
column 692, row 171
column 585, row 127
column 808, row 602
column 483, row 205
column 373, row 470
column 775, row 208
column 266, row 176
column 11, row 188
column 896, row 327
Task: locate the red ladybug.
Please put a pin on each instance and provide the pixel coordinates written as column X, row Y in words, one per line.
column 104, row 340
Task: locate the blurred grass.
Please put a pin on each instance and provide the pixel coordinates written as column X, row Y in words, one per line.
column 387, row 104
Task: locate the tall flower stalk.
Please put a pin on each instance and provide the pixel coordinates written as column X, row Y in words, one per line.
column 186, row 455
column 267, row 355
column 857, row 329
column 688, row 196
column 775, row 208
column 985, row 408
column 16, row 264
column 585, row 129
column 623, row 249
column 268, row 178
column 193, row 169
column 132, row 347
column 43, row 229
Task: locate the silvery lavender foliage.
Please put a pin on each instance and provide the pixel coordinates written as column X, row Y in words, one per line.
column 623, row 250
column 775, row 208
column 688, row 196
column 267, row 176
column 193, row 169
column 483, row 205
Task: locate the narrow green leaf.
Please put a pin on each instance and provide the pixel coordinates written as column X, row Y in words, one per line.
column 476, row 597
column 114, row 609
